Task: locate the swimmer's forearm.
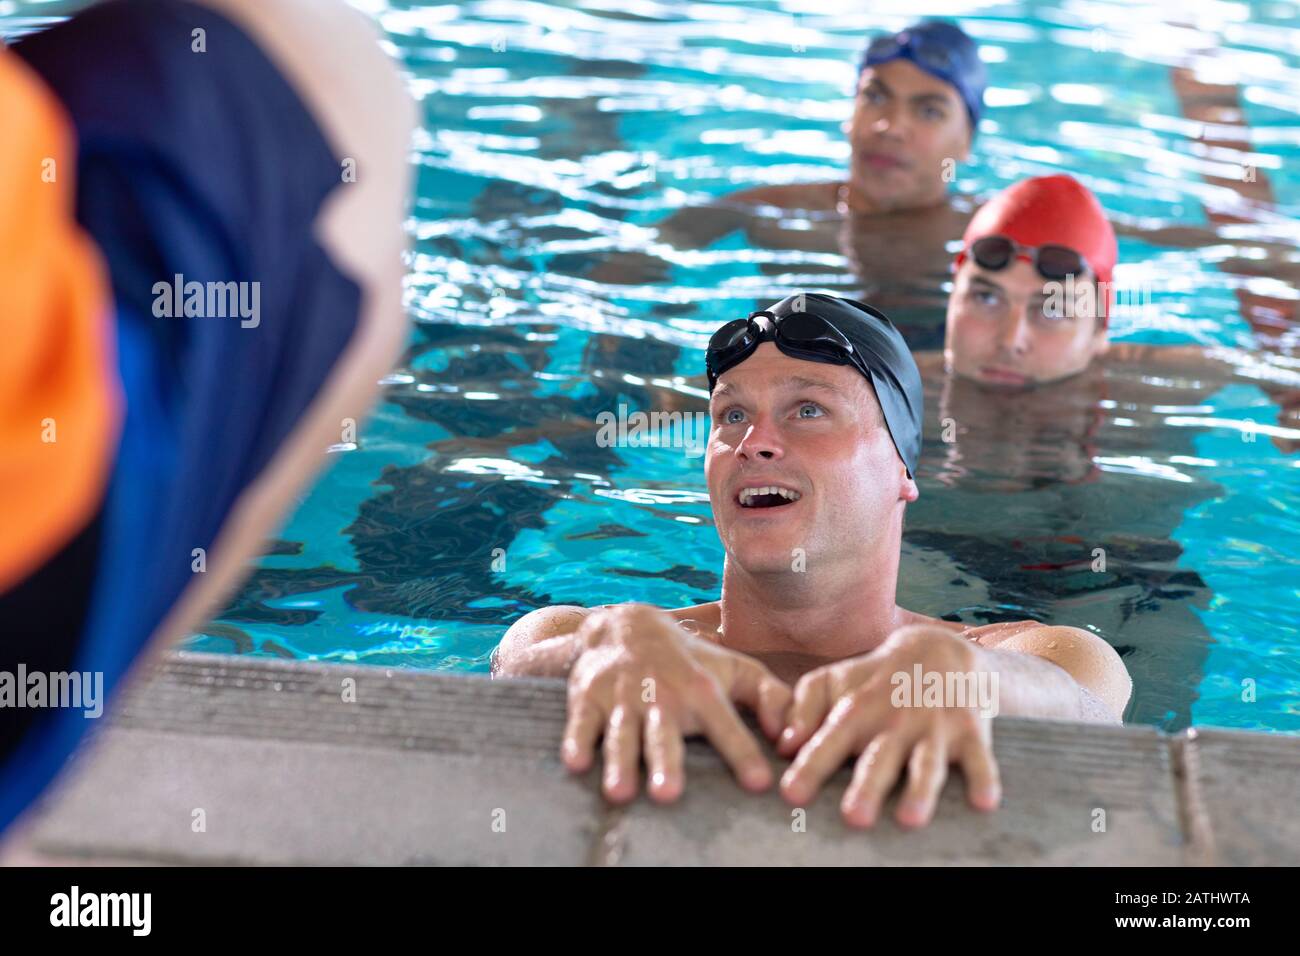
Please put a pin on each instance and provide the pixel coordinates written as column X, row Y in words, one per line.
column 1184, row 237
column 698, row 226
column 1030, row 686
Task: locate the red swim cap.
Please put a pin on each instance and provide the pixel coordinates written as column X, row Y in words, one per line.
column 1051, row 210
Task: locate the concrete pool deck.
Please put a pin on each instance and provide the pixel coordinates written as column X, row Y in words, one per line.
column 216, row 759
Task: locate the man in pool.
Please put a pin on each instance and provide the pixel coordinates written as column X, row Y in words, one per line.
column 1032, row 296
column 816, row 431
column 920, row 93
column 919, row 97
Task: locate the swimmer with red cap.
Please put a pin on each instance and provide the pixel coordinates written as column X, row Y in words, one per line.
column 1031, row 303
column 1031, row 294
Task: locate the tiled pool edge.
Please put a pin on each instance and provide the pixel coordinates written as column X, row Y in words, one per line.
column 220, row 759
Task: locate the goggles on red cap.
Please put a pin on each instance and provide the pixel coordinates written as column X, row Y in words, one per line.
column 1053, row 262
column 1055, row 223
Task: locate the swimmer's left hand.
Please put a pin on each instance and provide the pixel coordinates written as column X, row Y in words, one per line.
column 847, row 708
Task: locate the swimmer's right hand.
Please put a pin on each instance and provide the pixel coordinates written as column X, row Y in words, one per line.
column 645, row 685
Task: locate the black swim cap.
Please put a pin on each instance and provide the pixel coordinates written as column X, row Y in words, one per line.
column 866, row 340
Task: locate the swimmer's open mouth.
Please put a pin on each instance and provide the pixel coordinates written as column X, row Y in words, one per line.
column 767, row 496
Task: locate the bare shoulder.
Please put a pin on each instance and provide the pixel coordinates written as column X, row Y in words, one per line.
column 1085, row 656
column 985, row 635
column 544, row 623
column 702, row 620
column 530, row 631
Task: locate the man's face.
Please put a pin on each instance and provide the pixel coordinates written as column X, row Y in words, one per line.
column 905, row 124
column 815, row 430
column 1010, row 328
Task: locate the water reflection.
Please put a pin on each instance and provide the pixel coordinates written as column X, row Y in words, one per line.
column 551, row 288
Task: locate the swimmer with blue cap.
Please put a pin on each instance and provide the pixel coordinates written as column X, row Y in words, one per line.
column 815, row 411
column 919, row 97
column 918, row 100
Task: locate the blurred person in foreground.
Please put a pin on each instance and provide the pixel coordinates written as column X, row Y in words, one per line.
column 201, row 242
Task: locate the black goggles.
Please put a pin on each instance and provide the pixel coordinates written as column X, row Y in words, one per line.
column 1052, row 262
column 803, row 335
column 933, row 54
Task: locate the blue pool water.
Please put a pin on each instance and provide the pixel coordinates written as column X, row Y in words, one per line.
column 556, row 134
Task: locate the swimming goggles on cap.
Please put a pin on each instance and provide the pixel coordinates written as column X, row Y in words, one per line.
column 922, row 47
column 804, row 335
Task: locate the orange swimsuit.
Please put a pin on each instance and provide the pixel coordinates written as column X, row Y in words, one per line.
column 60, row 404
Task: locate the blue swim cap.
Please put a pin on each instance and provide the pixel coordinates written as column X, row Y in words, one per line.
column 944, row 51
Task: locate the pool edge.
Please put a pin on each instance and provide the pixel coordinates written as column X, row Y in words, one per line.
column 217, row 759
